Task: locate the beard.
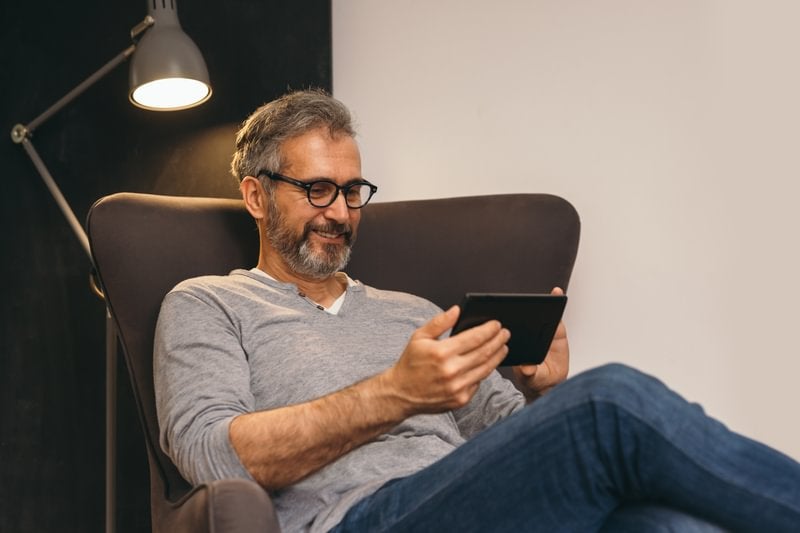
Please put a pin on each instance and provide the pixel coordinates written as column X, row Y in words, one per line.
column 298, row 251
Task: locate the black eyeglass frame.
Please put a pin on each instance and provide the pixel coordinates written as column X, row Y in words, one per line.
column 307, row 185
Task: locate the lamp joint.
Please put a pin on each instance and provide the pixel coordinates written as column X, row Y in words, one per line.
column 19, row 133
column 140, row 28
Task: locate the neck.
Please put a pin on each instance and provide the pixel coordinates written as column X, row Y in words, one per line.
column 323, row 291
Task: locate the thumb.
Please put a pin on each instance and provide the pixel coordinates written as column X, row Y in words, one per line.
column 437, row 325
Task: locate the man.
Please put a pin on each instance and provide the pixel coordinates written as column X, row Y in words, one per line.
column 356, row 411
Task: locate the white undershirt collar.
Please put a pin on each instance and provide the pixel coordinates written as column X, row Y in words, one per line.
column 335, row 306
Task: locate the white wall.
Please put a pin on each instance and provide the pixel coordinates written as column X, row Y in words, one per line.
column 671, row 125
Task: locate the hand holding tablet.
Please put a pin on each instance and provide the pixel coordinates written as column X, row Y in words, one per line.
column 531, row 318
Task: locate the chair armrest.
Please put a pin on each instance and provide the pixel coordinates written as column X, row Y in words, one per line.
column 223, row 506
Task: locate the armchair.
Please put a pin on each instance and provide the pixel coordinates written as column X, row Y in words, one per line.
column 143, row 245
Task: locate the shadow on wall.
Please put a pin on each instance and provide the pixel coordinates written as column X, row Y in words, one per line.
column 199, row 162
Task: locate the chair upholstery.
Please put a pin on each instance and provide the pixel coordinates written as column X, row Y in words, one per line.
column 143, row 245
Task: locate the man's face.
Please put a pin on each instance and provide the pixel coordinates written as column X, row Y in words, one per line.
column 314, row 242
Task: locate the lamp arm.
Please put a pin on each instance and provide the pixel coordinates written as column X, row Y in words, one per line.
column 56, row 193
column 19, row 131
column 21, row 134
column 28, row 129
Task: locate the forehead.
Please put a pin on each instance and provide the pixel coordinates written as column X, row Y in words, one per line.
column 317, row 153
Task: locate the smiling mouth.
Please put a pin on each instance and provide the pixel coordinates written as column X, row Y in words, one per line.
column 328, row 235
column 338, row 232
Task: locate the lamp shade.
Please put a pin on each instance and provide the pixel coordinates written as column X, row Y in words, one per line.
column 167, row 70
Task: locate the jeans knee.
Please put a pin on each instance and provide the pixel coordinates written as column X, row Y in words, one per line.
column 620, row 384
column 616, row 374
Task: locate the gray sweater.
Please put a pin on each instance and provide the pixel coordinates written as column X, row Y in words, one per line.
column 228, row 345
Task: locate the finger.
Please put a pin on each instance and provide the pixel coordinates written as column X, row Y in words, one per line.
column 468, row 369
column 488, row 350
column 561, row 332
column 472, row 338
column 557, row 291
column 526, row 370
column 480, row 366
column 437, row 325
column 485, row 357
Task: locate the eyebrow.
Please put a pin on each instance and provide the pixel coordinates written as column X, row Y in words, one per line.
column 326, row 178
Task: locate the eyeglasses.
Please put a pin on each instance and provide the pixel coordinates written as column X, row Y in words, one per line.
column 322, row 193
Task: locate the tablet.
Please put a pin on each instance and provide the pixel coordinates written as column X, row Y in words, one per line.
column 532, row 320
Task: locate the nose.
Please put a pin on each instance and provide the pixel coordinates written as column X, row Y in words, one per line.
column 338, row 210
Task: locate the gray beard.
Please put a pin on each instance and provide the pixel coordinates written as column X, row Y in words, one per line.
column 298, row 254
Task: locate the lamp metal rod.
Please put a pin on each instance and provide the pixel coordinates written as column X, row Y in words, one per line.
column 81, row 87
column 111, row 424
column 56, row 193
column 22, row 135
column 29, row 128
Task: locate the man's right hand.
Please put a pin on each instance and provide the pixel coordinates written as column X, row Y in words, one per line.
column 434, row 375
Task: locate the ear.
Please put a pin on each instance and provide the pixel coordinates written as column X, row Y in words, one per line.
column 254, row 197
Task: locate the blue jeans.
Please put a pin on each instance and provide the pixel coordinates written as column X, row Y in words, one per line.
column 610, row 449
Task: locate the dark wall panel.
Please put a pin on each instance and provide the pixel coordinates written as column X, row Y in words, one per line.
column 52, row 331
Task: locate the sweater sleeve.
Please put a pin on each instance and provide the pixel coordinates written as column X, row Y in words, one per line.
column 202, row 381
column 495, row 399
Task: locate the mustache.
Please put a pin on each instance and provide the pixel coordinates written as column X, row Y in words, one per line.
column 346, row 230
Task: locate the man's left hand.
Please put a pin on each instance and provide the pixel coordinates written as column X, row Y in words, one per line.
column 538, row 379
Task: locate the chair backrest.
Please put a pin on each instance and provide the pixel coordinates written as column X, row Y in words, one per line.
column 144, row 244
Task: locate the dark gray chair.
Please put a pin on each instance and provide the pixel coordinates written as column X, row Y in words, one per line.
column 144, row 244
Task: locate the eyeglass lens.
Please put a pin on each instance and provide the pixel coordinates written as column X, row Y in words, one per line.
column 323, row 193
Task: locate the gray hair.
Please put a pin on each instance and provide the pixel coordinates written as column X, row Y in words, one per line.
column 258, row 142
